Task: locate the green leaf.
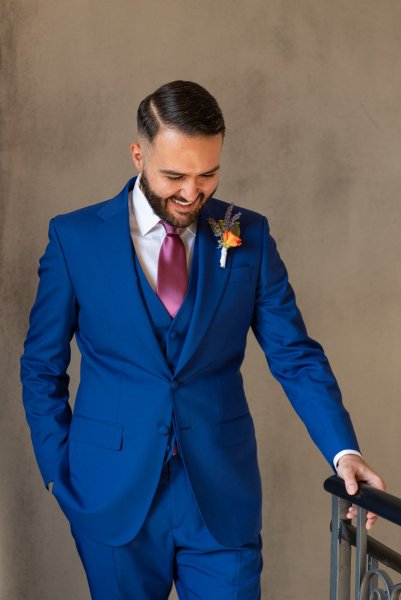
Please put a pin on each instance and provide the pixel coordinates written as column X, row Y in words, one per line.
column 236, row 229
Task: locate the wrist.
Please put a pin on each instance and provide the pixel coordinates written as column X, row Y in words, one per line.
column 346, row 453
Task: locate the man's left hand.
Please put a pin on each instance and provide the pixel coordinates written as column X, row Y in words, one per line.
column 352, row 468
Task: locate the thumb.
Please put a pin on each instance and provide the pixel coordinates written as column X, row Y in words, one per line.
column 351, row 485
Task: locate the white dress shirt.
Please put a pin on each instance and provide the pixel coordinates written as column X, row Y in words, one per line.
column 147, row 235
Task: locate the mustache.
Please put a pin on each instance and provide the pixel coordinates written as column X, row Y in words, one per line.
column 199, row 197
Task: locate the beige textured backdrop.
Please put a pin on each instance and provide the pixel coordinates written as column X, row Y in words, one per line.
column 311, row 92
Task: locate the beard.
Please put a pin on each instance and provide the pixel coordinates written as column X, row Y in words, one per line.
column 160, row 205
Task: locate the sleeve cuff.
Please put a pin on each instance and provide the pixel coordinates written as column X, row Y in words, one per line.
column 343, row 453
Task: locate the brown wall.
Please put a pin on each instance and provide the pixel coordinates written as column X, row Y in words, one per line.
column 311, row 92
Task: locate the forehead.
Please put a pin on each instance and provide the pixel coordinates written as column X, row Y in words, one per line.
column 177, row 151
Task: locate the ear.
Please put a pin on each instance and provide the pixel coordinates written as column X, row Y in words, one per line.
column 137, row 156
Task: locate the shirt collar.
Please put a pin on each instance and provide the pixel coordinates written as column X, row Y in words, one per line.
column 144, row 215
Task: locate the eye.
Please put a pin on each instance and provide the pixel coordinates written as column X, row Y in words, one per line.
column 209, row 174
column 174, row 178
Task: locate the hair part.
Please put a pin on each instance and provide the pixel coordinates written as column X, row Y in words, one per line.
column 182, row 105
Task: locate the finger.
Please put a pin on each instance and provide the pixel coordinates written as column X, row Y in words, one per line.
column 371, row 522
column 354, row 511
column 371, row 519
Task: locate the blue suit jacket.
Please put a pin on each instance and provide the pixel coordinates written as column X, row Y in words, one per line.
column 106, row 456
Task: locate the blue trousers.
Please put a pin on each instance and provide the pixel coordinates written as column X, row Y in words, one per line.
column 173, row 545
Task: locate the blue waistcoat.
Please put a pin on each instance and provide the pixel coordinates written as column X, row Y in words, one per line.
column 170, row 332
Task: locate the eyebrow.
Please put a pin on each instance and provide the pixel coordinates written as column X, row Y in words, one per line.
column 171, row 172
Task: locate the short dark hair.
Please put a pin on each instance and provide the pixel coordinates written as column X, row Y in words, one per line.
column 182, row 105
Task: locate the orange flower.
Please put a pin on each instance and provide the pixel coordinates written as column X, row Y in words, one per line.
column 231, row 239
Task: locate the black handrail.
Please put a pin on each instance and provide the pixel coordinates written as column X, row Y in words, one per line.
column 381, row 503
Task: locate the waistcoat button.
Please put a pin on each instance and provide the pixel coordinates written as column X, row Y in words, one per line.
column 163, row 429
column 175, row 385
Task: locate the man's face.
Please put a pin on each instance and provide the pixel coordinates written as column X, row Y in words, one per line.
column 179, row 173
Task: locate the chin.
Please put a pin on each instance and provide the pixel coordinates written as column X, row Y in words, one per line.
column 183, row 220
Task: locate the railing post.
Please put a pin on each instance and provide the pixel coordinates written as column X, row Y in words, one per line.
column 373, row 564
column 361, row 551
column 340, row 571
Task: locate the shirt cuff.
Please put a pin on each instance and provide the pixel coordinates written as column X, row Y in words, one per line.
column 343, row 453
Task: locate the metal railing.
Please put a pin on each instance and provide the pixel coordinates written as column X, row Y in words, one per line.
column 371, row 581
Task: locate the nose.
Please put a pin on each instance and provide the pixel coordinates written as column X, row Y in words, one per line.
column 189, row 191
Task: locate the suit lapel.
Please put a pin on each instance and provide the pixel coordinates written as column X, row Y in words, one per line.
column 212, row 280
column 116, row 251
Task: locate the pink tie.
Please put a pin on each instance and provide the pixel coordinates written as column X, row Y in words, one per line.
column 172, row 277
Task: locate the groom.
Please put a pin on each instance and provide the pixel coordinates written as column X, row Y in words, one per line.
column 156, row 467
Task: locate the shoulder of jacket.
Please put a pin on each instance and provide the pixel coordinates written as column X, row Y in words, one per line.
column 87, row 214
column 81, row 214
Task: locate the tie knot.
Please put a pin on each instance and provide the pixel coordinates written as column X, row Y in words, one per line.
column 170, row 229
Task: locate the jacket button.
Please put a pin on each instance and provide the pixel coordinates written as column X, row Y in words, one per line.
column 173, row 334
column 163, row 429
column 175, row 385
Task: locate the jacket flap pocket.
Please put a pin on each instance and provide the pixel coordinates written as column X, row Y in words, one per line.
column 94, row 431
column 236, row 430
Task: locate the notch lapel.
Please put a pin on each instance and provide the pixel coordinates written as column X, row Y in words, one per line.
column 116, row 252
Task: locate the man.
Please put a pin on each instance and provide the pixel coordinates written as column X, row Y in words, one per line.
column 156, row 469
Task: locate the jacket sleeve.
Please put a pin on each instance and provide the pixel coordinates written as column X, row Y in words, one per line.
column 46, row 356
column 297, row 361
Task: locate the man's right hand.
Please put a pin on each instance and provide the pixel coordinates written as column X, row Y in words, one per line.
column 352, row 469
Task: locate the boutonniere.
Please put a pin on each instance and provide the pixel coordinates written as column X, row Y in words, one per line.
column 227, row 231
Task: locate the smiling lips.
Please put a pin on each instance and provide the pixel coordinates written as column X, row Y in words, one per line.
column 185, row 205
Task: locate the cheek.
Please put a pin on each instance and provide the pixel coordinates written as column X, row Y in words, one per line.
column 171, row 190
column 210, row 187
column 204, row 186
column 164, row 189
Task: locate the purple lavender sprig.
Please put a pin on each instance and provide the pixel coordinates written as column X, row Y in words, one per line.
column 230, row 220
column 229, row 223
